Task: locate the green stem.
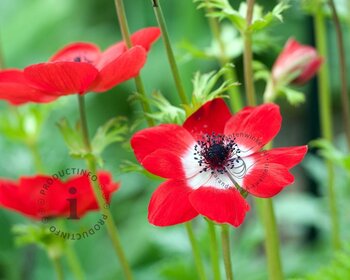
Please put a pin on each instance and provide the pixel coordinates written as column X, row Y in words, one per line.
column 196, row 252
column 265, row 205
column 266, row 210
column 248, row 57
column 326, row 120
column 138, row 80
column 92, row 166
column 235, row 97
column 171, row 58
column 2, row 61
column 342, row 70
column 214, row 250
column 39, row 166
column 58, row 267
column 73, row 262
column 225, row 236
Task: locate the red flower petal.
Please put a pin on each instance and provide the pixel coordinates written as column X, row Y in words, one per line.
column 254, row 127
column 209, row 118
column 220, row 205
column 288, row 157
column 169, row 204
column 309, row 71
column 15, row 89
column 111, row 54
column 124, row 67
column 78, row 52
column 290, row 47
column 266, row 179
column 11, row 199
column 296, row 59
column 85, row 197
column 40, row 189
column 171, row 137
column 145, row 37
column 164, row 164
column 42, row 196
column 62, row 78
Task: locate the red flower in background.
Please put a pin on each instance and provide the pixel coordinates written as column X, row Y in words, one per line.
column 296, row 63
column 206, row 157
column 79, row 68
column 30, row 197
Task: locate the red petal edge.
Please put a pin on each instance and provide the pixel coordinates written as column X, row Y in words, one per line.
column 170, row 205
column 219, row 205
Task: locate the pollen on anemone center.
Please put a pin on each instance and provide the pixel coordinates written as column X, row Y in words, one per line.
column 216, row 153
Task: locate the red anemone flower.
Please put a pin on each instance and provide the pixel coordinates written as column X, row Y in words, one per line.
column 211, row 158
column 296, row 63
column 46, row 197
column 79, row 68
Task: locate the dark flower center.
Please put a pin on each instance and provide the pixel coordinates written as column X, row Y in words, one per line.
column 81, row 59
column 217, row 153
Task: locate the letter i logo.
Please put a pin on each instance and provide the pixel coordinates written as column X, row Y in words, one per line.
column 72, row 205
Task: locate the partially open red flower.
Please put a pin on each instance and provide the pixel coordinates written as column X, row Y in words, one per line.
column 78, row 68
column 82, row 67
column 296, row 63
column 47, row 197
column 208, row 160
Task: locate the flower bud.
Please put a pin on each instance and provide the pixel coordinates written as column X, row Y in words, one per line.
column 296, row 64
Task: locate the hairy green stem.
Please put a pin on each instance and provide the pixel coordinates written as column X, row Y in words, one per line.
column 326, row 120
column 196, row 251
column 342, row 71
column 214, row 250
column 171, row 58
column 235, row 97
column 225, row 236
column 102, row 203
column 138, row 80
column 265, row 205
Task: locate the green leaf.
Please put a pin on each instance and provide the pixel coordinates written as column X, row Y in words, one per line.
column 260, row 23
column 114, row 130
column 261, row 72
column 222, row 9
column 231, row 41
column 24, row 123
column 330, row 152
column 40, row 236
column 294, row 97
column 128, row 166
column 338, row 269
column 204, row 87
column 73, row 138
column 165, row 111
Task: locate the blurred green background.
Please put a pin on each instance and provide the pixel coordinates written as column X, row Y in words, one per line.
column 31, row 31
